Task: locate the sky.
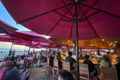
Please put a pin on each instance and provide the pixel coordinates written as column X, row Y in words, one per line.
column 6, row 18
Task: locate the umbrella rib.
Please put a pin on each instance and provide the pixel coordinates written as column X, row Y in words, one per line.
column 91, row 15
column 91, row 25
column 44, row 13
column 100, row 10
column 88, row 21
column 53, row 28
column 68, row 8
column 63, row 15
column 70, row 34
column 93, row 5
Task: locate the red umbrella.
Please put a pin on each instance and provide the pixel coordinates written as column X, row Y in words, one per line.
column 7, row 38
column 29, row 36
column 55, row 18
column 27, row 42
column 69, row 19
column 11, row 33
column 39, row 44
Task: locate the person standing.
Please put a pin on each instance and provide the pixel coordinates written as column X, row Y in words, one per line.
column 71, row 60
column 60, row 63
column 51, row 60
column 91, row 67
column 106, row 69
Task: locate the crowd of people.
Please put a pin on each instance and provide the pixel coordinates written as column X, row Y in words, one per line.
column 102, row 70
column 17, row 67
column 10, row 70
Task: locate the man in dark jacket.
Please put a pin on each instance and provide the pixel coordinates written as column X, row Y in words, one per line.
column 91, row 67
column 71, row 60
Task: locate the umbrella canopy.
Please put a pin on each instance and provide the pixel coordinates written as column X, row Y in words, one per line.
column 6, row 38
column 69, row 19
column 39, row 44
column 27, row 42
column 13, row 34
column 97, row 18
column 29, row 36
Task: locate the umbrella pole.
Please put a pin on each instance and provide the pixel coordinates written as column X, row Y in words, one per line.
column 77, row 60
column 76, row 47
column 76, row 39
column 76, row 42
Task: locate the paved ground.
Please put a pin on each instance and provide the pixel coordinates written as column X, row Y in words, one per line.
column 39, row 73
column 42, row 74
